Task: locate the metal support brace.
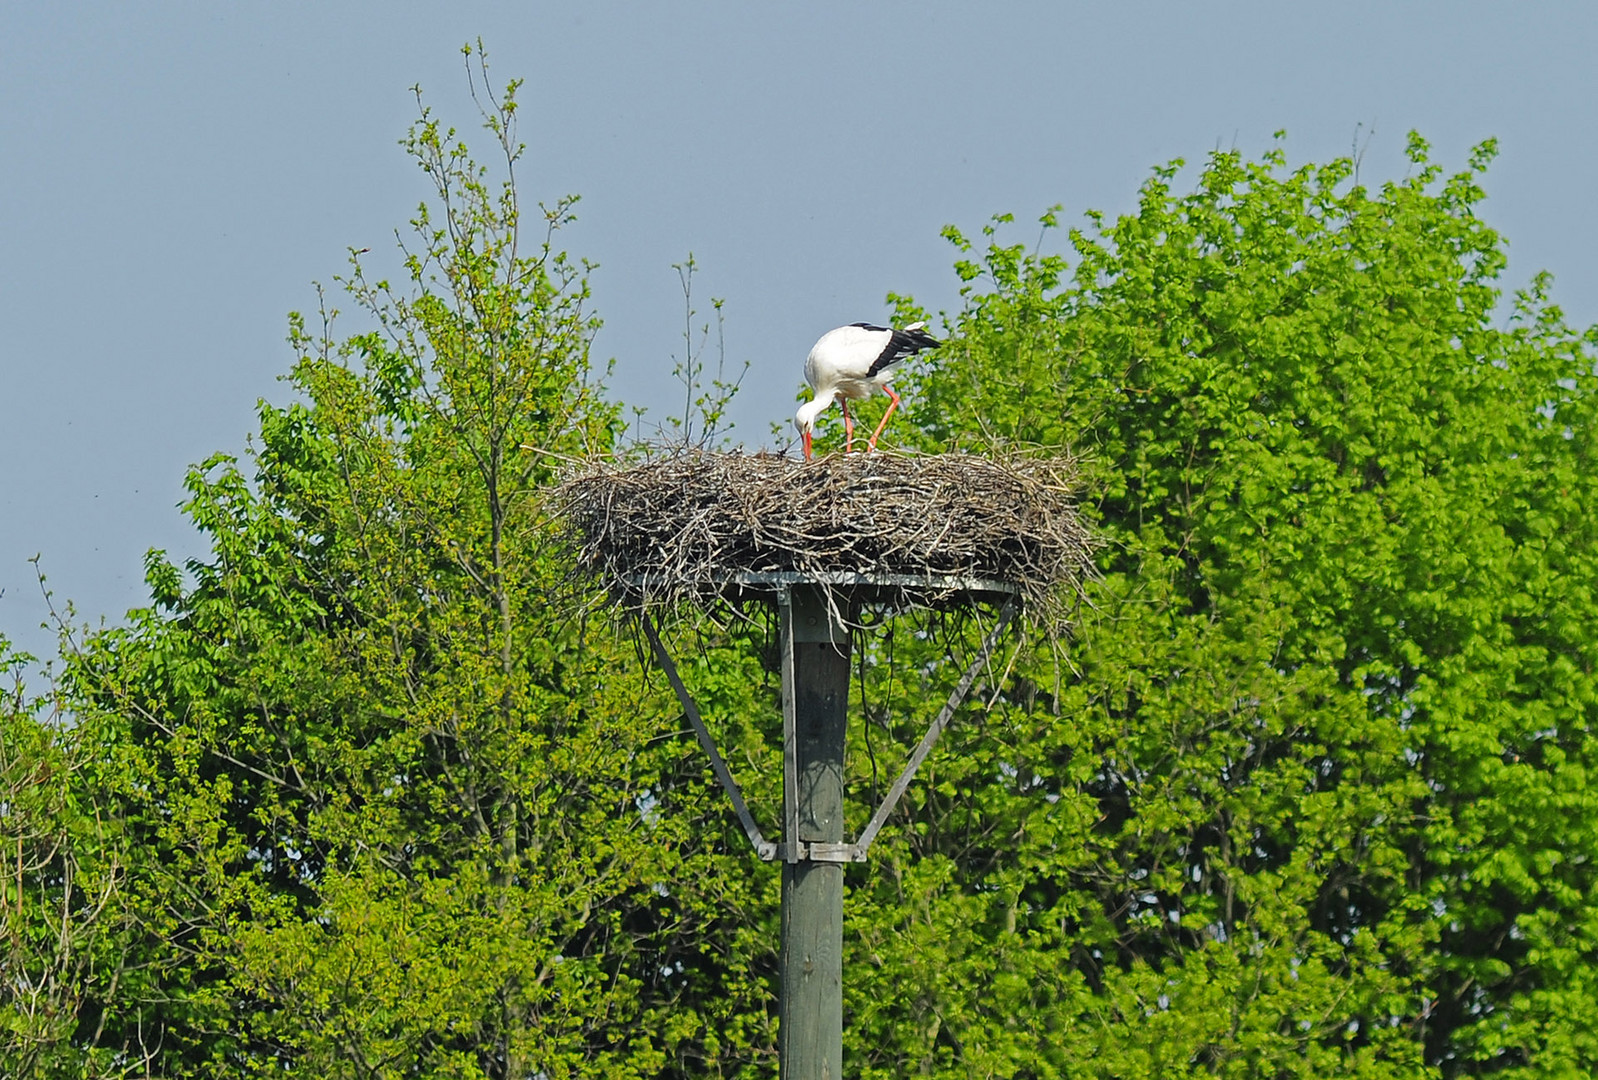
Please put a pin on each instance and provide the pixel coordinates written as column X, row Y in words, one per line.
column 929, row 740
column 764, row 848
column 793, row 850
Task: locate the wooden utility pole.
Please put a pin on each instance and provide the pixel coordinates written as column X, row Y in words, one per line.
column 815, row 715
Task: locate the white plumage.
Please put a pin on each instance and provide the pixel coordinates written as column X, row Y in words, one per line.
column 853, row 362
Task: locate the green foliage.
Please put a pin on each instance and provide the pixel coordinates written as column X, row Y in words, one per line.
column 1315, row 801
column 704, row 406
column 68, row 939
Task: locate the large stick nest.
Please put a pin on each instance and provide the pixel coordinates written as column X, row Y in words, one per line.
column 689, row 524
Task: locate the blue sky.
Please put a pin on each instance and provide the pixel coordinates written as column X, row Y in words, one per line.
column 176, row 175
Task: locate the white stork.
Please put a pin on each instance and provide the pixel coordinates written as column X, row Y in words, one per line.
column 852, row 362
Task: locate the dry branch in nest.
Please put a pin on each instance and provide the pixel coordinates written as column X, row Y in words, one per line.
column 688, row 525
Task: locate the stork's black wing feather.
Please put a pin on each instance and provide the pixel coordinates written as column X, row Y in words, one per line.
column 901, row 344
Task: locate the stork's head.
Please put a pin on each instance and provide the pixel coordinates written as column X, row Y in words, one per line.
column 805, row 419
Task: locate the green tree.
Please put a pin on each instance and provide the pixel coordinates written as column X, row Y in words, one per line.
column 407, row 812
column 1314, row 800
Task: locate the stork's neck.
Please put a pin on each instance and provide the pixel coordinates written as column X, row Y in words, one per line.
column 805, row 418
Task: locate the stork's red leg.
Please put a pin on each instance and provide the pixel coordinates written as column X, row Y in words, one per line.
column 848, row 428
column 892, row 405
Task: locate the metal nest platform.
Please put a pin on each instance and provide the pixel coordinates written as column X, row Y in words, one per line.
column 847, row 589
column 820, row 540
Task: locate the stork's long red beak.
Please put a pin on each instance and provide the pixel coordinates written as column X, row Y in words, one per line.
column 806, row 437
